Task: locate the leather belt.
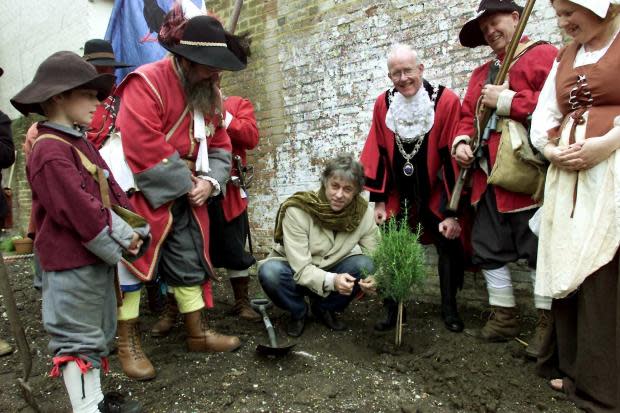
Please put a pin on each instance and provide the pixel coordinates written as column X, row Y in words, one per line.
column 190, row 164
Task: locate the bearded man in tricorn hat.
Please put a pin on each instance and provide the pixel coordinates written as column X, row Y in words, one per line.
column 500, row 232
column 180, row 155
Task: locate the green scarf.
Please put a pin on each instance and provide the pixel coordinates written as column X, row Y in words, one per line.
column 317, row 205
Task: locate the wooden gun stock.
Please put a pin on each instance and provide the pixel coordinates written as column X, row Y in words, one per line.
column 455, row 199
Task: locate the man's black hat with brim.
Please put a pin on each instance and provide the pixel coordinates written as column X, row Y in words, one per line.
column 204, row 42
column 99, row 52
column 471, row 35
column 61, row 72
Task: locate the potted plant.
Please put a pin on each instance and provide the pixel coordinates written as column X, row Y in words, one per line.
column 400, row 263
column 23, row 244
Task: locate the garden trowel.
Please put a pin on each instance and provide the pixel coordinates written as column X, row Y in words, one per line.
column 261, row 305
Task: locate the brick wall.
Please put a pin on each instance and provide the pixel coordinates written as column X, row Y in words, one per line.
column 317, row 67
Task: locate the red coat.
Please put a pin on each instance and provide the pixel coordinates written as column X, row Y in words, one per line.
column 103, row 121
column 153, row 102
column 243, row 133
column 526, row 77
column 378, row 153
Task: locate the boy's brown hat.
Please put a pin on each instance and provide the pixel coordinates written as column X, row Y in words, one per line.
column 59, row 73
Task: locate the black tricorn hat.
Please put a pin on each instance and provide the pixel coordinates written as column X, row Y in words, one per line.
column 59, row 73
column 99, row 52
column 204, row 41
column 471, row 35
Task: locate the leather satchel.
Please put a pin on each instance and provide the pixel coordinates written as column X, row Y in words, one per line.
column 517, row 167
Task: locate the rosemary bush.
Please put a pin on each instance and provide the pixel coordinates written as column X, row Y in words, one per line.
column 399, row 260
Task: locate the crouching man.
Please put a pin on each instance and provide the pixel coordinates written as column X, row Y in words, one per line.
column 320, row 238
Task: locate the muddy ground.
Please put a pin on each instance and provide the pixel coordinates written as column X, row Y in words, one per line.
column 354, row 371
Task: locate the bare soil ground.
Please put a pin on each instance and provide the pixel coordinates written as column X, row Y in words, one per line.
column 354, row 371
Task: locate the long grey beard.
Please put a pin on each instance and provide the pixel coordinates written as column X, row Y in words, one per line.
column 200, row 95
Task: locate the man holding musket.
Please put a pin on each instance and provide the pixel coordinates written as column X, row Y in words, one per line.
column 500, row 233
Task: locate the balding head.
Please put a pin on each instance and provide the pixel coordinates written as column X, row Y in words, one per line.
column 404, row 69
column 402, row 51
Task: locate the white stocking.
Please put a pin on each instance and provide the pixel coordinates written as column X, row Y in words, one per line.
column 84, row 388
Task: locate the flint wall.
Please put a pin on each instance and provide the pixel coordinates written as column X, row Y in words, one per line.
column 317, row 68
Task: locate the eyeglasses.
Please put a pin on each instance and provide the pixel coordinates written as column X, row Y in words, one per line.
column 405, row 72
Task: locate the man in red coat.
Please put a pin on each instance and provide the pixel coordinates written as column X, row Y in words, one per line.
column 500, row 233
column 229, row 218
column 407, row 164
column 99, row 53
column 179, row 153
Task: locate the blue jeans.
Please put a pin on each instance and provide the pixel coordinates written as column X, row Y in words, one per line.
column 276, row 278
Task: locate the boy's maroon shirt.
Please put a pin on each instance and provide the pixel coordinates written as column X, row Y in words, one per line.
column 66, row 201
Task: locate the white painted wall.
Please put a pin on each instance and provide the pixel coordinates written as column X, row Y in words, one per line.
column 34, row 29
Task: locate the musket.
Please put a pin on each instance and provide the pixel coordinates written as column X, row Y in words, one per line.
column 234, row 18
column 484, row 114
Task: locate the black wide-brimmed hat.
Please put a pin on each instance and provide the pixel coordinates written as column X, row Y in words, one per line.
column 59, row 73
column 99, row 52
column 204, row 42
column 471, row 35
column 1, row 71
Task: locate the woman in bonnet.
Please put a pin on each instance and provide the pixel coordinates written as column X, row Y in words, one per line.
column 576, row 126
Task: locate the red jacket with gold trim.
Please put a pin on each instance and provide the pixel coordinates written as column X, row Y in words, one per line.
column 157, row 136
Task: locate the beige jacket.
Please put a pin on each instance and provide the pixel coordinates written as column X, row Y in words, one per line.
column 310, row 249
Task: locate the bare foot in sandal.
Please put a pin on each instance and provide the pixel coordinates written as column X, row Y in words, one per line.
column 557, row 384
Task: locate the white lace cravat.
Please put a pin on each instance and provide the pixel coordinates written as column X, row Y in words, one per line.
column 200, row 134
column 411, row 117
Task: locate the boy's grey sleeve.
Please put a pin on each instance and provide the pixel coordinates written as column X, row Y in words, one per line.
column 105, row 247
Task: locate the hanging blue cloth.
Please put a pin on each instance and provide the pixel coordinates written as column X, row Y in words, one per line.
column 132, row 31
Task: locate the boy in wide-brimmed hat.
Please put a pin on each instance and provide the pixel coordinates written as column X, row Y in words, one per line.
column 500, row 233
column 79, row 240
